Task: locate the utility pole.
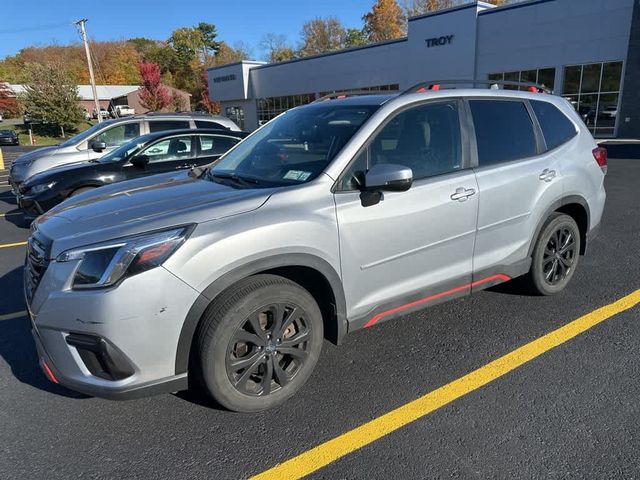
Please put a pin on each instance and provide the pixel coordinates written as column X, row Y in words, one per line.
column 83, row 32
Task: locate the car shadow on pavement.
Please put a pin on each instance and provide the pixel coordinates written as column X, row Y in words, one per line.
column 16, row 344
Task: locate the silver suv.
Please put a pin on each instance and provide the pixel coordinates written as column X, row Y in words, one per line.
column 335, row 216
column 104, row 137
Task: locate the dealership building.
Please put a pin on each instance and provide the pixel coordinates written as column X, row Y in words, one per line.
column 588, row 51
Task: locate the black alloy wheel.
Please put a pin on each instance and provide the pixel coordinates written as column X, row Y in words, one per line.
column 268, row 349
column 258, row 343
column 559, row 256
column 555, row 255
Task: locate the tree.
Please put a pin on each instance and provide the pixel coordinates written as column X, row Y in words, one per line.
column 385, row 21
column 177, row 102
column 206, row 103
column 420, row 7
column 276, row 48
column 228, row 54
column 50, row 97
column 321, row 35
column 355, row 38
column 209, row 44
column 154, row 95
column 8, row 103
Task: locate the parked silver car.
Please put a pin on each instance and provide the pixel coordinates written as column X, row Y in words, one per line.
column 103, row 137
column 333, row 217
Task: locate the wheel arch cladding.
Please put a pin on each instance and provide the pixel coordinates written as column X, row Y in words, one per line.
column 314, row 274
column 574, row 206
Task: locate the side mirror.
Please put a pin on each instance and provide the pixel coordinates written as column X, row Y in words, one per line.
column 140, row 161
column 98, row 146
column 389, row 177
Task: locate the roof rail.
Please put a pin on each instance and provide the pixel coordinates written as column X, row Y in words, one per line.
column 179, row 114
column 351, row 93
column 437, row 85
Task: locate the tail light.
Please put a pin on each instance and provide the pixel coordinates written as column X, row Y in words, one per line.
column 600, row 155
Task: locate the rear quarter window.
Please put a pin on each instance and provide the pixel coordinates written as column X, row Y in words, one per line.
column 209, row 124
column 556, row 127
column 504, row 131
column 162, row 125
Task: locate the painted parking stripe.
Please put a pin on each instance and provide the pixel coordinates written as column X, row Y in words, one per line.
column 16, row 244
column 336, row 448
column 13, row 316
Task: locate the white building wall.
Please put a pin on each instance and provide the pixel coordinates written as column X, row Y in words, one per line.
column 553, row 34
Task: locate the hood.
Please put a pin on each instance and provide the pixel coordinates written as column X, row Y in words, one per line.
column 146, row 204
column 54, row 172
column 35, row 154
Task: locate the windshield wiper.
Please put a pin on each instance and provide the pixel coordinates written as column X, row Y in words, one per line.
column 235, row 178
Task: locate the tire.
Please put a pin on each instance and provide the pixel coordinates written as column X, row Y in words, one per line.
column 276, row 367
column 80, row 190
column 551, row 267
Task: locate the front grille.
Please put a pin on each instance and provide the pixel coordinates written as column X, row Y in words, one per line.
column 36, row 263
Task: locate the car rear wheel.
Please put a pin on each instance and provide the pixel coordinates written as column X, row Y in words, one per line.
column 555, row 255
column 259, row 343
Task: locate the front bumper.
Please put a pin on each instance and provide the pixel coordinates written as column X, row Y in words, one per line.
column 140, row 320
column 30, row 208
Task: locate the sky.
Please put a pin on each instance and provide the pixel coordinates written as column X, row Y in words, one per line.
column 45, row 22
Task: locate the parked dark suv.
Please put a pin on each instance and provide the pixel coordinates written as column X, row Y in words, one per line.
column 146, row 155
column 8, row 137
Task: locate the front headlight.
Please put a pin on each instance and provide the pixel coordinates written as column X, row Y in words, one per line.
column 105, row 264
column 43, row 187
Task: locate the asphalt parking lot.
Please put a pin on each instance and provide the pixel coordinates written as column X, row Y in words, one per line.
column 572, row 412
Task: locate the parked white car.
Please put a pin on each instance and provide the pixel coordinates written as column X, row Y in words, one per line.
column 123, row 111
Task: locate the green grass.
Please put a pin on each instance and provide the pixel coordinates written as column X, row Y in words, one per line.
column 43, row 136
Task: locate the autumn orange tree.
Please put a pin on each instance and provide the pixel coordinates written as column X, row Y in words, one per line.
column 320, row 35
column 419, row 7
column 385, row 21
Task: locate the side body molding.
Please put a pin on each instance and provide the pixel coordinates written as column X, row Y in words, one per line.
column 269, row 263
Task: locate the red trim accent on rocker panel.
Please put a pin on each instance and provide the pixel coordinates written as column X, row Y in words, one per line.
column 374, row 319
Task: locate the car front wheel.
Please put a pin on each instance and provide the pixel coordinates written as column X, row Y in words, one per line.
column 259, row 343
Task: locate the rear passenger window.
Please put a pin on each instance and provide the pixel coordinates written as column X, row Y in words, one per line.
column 161, row 125
column 214, row 145
column 207, row 124
column 556, row 127
column 504, row 131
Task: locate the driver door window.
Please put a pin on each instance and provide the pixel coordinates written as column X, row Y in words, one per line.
column 424, row 138
column 169, row 150
column 119, row 134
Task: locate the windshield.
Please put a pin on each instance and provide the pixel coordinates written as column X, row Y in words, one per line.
column 294, row 147
column 82, row 135
column 126, row 150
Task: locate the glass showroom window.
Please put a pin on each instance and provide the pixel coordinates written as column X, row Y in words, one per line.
column 594, row 89
column 377, row 88
column 541, row 76
column 271, row 107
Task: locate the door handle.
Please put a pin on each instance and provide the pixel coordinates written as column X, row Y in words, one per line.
column 462, row 194
column 547, row 175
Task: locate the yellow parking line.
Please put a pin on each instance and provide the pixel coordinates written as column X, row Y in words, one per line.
column 330, row 451
column 14, row 315
column 7, row 245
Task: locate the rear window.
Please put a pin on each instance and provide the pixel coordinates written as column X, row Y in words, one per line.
column 207, row 124
column 215, row 145
column 504, row 131
column 161, row 125
column 556, row 127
